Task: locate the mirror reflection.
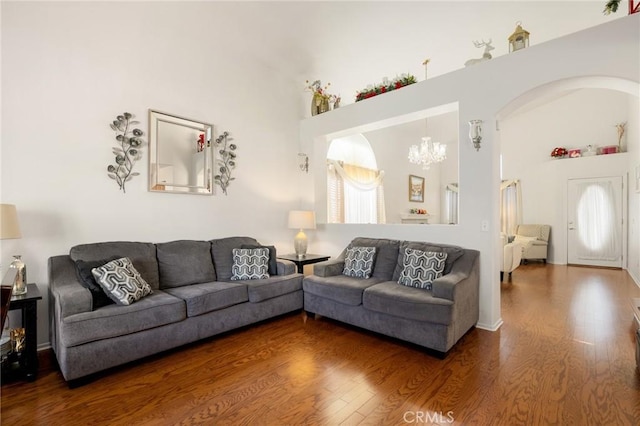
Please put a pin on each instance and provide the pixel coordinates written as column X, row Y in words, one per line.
column 180, row 154
column 370, row 178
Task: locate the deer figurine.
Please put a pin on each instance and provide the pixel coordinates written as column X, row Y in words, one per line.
column 485, row 55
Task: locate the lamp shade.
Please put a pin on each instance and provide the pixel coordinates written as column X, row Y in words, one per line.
column 9, row 227
column 302, row 219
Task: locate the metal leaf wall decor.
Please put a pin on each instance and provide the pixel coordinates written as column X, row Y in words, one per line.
column 227, row 161
column 127, row 149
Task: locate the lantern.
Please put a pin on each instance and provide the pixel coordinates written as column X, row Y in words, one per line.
column 519, row 39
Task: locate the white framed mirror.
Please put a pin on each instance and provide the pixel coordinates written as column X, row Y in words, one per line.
column 180, row 154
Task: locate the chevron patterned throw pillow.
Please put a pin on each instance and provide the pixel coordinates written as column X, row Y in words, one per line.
column 250, row 264
column 420, row 268
column 121, row 281
column 358, row 262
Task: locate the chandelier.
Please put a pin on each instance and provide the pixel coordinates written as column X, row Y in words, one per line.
column 427, row 153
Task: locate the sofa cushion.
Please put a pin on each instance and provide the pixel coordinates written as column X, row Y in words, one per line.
column 273, row 257
column 250, row 264
column 185, row 262
column 340, row 288
column 142, row 255
column 261, row 290
column 155, row 310
column 421, row 268
column 386, row 255
column 222, row 253
column 207, row 297
column 358, row 262
column 453, row 254
column 121, row 281
column 407, row 302
column 86, row 278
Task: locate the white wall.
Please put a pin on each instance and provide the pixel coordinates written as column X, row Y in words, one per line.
column 69, row 68
column 572, row 120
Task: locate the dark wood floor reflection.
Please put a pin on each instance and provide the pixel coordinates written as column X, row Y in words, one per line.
column 565, row 356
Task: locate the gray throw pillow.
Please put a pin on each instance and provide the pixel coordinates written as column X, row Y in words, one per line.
column 421, row 268
column 358, row 262
column 250, row 264
column 121, row 282
column 83, row 270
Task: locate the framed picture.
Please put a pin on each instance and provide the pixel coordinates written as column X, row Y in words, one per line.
column 416, row 189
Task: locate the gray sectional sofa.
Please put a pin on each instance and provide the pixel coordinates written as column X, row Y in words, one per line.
column 193, row 298
column 435, row 318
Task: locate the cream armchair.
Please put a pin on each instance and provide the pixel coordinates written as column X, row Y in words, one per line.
column 535, row 239
column 511, row 257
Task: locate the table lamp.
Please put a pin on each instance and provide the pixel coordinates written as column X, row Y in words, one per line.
column 10, row 229
column 301, row 219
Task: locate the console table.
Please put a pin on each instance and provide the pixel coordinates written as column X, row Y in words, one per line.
column 26, row 365
column 306, row 260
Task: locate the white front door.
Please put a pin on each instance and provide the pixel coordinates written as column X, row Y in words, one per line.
column 595, row 222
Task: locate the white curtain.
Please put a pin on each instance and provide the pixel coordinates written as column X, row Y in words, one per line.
column 595, row 214
column 451, row 204
column 510, row 206
column 355, row 194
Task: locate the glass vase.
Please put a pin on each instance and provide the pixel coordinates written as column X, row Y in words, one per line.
column 20, row 283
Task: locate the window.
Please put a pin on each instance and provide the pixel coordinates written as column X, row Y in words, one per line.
column 354, row 184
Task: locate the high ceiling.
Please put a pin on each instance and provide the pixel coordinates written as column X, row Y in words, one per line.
column 354, row 44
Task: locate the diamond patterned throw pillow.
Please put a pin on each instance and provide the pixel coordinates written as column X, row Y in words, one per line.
column 358, row 262
column 121, row 282
column 250, row 264
column 420, row 268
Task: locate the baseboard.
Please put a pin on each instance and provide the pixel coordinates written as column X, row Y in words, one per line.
column 489, row 327
column 633, row 277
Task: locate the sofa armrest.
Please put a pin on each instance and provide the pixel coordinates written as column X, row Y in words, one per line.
column 286, row 267
column 329, row 268
column 68, row 294
column 444, row 287
column 462, row 282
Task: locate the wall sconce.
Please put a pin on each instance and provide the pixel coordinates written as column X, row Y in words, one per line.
column 475, row 133
column 303, row 162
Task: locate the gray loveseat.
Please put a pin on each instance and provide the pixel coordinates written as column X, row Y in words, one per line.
column 193, row 298
column 435, row 318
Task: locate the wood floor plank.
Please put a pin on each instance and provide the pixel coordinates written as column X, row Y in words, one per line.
column 564, row 355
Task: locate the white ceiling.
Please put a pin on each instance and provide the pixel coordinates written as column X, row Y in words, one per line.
column 352, row 44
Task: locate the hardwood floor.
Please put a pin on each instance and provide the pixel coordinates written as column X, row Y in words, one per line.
column 565, row 355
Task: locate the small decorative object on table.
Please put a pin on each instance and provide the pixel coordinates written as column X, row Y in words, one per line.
column 386, row 86
column 559, row 152
column 418, row 211
column 321, row 98
column 591, row 150
column 20, row 284
column 127, row 152
column 227, row 163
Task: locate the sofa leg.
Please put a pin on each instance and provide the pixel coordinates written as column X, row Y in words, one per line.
column 544, row 261
column 501, row 276
column 310, row 314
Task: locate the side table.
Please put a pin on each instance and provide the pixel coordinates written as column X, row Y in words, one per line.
column 308, row 259
column 28, row 305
